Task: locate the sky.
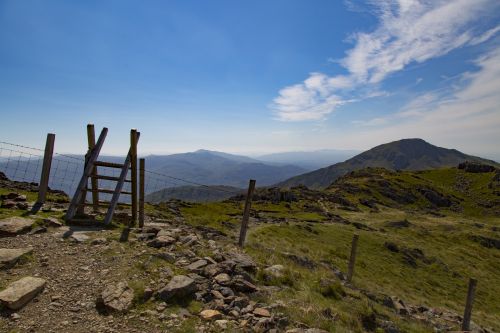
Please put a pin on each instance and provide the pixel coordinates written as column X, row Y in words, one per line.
column 251, row 77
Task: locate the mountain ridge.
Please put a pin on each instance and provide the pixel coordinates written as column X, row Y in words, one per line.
column 404, row 154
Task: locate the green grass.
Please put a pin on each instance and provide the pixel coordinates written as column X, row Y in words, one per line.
column 451, row 257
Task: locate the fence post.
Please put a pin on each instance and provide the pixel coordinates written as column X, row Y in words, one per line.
column 246, row 213
column 47, row 161
column 133, row 177
column 142, row 167
column 352, row 259
column 468, row 305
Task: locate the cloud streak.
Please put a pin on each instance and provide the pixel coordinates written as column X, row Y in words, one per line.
column 409, row 31
column 468, row 116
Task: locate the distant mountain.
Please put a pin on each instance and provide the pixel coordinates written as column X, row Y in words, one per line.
column 202, row 166
column 194, row 193
column 310, row 160
column 406, row 154
column 216, row 168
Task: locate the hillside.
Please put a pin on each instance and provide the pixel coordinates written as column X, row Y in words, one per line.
column 406, row 154
column 214, row 168
column 422, row 234
column 194, row 193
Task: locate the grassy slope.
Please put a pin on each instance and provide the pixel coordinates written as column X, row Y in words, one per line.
column 440, row 284
column 446, row 239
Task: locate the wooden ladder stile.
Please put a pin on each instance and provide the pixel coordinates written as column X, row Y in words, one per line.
column 89, row 167
column 78, row 202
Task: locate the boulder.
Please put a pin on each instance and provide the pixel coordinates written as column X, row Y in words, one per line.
column 244, row 261
column 261, row 312
column 9, row 257
column 115, row 298
column 178, row 288
column 210, row 315
column 274, row 272
column 198, row 264
column 244, row 286
column 79, row 237
column 13, row 226
column 161, row 241
column 19, row 293
column 222, row 278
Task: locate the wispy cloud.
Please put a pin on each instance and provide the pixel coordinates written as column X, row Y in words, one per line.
column 485, row 36
column 409, row 31
column 468, row 115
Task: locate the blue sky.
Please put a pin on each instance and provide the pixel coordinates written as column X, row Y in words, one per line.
column 253, row 76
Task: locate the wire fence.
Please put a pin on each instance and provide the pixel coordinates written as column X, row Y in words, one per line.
column 24, row 164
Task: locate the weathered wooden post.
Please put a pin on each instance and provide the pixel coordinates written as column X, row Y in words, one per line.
column 246, row 213
column 142, row 167
column 133, row 177
column 93, row 176
column 352, row 259
column 468, row 305
column 47, row 162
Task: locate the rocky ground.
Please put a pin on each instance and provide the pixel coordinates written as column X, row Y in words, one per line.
column 166, row 277
column 169, row 276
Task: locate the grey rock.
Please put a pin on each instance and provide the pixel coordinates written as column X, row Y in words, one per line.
column 19, row 293
column 161, row 241
column 222, row 278
column 13, row 226
column 9, row 257
column 198, row 264
column 275, row 271
column 178, row 288
column 79, row 237
column 115, row 298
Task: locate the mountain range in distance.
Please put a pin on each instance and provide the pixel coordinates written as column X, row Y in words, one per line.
column 405, row 154
column 228, row 173
column 310, row 160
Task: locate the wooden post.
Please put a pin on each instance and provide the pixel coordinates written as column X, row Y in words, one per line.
column 142, row 167
column 47, row 161
column 468, row 305
column 80, row 210
column 246, row 213
column 133, row 177
column 352, row 259
column 93, row 176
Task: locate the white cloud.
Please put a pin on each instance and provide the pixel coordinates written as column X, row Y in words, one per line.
column 409, row 31
column 484, row 37
column 468, row 118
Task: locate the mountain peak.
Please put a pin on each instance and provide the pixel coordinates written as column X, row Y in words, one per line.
column 405, row 154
